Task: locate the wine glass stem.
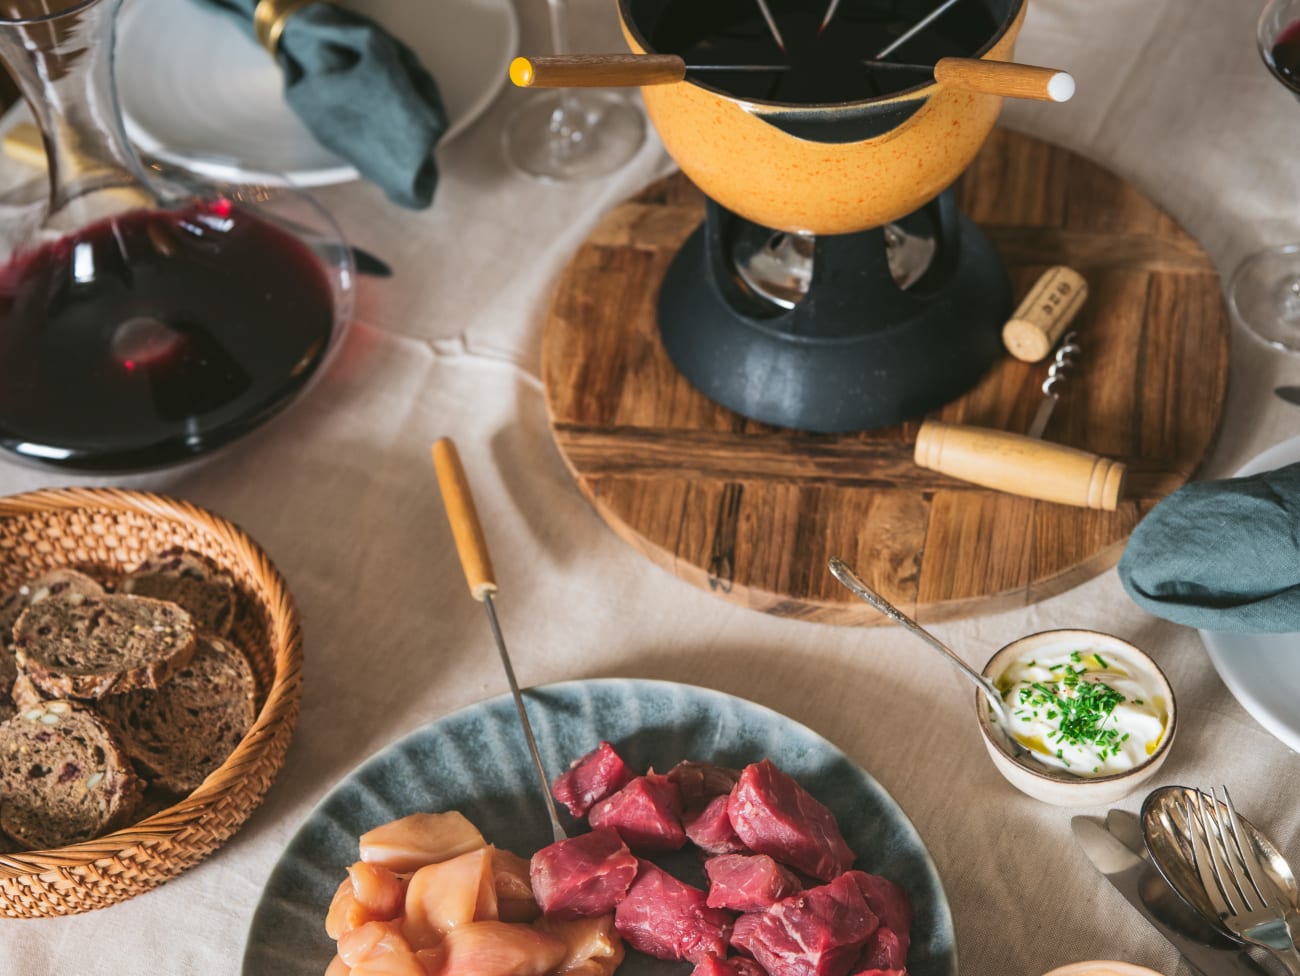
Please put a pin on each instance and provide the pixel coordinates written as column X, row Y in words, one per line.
column 568, row 126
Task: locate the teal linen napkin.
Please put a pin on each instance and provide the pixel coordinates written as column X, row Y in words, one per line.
column 1221, row 555
column 362, row 93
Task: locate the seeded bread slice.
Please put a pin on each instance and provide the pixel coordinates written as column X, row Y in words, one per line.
column 186, row 729
column 63, row 777
column 12, row 605
column 188, row 579
column 100, row 646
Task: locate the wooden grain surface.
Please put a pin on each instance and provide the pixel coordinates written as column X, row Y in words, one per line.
column 752, row 512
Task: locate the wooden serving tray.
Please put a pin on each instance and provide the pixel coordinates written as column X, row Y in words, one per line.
column 752, row 512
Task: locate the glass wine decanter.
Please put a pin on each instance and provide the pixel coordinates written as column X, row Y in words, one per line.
column 1265, row 289
column 145, row 317
column 572, row 134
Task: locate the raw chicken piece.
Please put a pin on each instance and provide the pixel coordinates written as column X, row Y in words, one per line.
column 700, row 782
column 338, row 967
column 748, row 883
column 378, row 947
column 818, row 932
column 709, row 828
column 494, row 949
column 591, row 778
column 515, row 902
column 370, row 893
column 584, row 875
column 443, row 896
column 422, row 838
column 592, row 947
column 887, row 949
column 647, row 813
column 669, row 919
column 776, row 816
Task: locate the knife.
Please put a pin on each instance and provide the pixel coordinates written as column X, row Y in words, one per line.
column 1141, row 885
column 1291, row 394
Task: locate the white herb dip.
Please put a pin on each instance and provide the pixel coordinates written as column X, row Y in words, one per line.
column 1082, row 711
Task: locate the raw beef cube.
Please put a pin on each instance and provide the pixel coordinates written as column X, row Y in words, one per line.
column 647, row 813
column 748, row 883
column 582, row 876
column 888, row 946
column 668, row 919
column 598, row 774
column 776, row 816
column 702, row 781
column 818, row 932
column 710, row 829
column 735, row 966
column 885, row 951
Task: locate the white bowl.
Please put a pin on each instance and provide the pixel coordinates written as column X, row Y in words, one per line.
column 1061, row 787
column 1102, row 967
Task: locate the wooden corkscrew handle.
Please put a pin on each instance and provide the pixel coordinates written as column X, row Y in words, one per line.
column 1020, row 465
column 471, row 544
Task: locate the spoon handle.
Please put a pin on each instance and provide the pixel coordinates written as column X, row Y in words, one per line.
column 859, row 587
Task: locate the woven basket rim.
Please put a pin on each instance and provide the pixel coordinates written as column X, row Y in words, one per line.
column 282, row 696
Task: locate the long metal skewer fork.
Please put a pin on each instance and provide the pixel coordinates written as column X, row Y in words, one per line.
column 471, row 546
column 771, row 24
column 916, row 28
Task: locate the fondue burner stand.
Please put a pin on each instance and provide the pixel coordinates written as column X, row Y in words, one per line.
column 835, row 333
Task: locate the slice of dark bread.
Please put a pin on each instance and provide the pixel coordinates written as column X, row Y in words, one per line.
column 188, row 579
column 63, row 777
column 74, row 646
column 180, row 733
column 12, row 604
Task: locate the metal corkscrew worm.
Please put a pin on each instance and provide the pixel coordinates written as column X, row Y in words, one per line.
column 1062, row 362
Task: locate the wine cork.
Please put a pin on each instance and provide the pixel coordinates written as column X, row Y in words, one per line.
column 1044, row 314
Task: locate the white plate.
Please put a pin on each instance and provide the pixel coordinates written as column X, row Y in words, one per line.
column 197, row 91
column 1263, row 670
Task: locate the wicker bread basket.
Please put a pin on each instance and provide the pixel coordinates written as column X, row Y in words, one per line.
column 104, row 531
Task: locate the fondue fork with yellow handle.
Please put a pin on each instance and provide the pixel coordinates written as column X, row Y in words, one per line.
column 1009, row 79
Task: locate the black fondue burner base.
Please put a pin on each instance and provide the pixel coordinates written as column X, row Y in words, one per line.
column 857, row 352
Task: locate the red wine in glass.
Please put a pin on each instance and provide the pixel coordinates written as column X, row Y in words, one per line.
column 1284, row 56
column 155, row 335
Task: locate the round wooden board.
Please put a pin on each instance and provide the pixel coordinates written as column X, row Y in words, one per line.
column 752, row 512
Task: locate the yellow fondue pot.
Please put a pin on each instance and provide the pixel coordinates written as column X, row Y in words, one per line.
column 832, row 168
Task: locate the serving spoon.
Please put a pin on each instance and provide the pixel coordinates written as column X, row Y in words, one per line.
column 840, row 570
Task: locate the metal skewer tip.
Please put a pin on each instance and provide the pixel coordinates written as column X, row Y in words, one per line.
column 830, row 12
column 771, row 24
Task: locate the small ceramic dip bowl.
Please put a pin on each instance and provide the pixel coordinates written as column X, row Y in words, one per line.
column 1102, row 967
column 1096, row 712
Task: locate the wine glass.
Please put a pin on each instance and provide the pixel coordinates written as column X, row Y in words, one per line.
column 572, row 134
column 1264, row 293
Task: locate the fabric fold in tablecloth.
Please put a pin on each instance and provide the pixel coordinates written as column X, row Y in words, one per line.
column 1221, row 555
column 362, row 93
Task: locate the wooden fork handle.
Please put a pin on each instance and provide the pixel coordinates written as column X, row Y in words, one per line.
column 597, row 70
column 1006, row 78
column 471, row 544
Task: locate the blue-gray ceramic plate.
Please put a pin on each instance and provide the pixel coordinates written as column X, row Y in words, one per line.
column 475, row 761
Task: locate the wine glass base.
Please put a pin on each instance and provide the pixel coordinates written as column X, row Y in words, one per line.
column 1264, row 296
column 570, row 135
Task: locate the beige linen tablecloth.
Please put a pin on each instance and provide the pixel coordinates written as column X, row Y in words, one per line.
column 340, row 492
